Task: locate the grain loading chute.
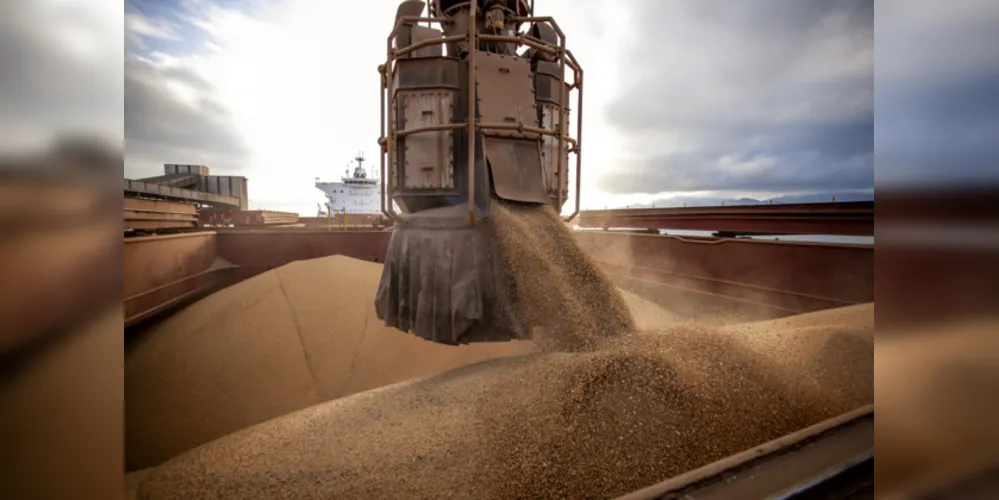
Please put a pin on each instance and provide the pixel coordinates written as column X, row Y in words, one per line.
column 494, row 73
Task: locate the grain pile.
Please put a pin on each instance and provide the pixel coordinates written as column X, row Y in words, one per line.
column 937, row 405
column 595, row 424
column 809, row 343
column 647, row 314
column 276, row 343
column 555, row 287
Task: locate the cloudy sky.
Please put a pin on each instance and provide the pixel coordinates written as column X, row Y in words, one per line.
column 727, row 99
column 60, row 71
column 938, row 91
column 685, row 99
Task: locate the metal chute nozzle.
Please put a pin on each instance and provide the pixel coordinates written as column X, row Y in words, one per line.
column 443, row 280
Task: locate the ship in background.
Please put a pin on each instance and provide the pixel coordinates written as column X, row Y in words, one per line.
column 357, row 193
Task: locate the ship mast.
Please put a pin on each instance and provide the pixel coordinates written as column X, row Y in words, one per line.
column 359, row 172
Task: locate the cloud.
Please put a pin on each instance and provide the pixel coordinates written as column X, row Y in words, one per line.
column 806, row 171
column 62, row 78
column 760, row 95
column 172, row 115
column 938, row 92
column 713, row 200
column 173, row 112
column 138, row 27
column 927, row 42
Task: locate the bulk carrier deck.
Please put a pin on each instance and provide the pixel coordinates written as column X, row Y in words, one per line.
column 697, row 277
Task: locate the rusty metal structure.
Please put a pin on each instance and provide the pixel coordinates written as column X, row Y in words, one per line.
column 509, row 103
column 474, row 112
column 843, row 218
column 192, row 183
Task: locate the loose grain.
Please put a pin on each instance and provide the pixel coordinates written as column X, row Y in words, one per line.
column 281, row 341
column 937, row 405
column 276, row 343
column 647, row 314
column 633, row 410
column 601, row 411
column 557, row 288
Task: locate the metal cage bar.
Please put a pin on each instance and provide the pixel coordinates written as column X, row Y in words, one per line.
column 390, row 134
column 382, row 145
column 577, row 76
column 472, row 49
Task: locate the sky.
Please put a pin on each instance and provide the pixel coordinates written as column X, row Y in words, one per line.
column 61, row 72
column 938, row 106
column 685, row 101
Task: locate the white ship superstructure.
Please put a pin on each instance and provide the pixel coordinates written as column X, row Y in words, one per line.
column 356, row 193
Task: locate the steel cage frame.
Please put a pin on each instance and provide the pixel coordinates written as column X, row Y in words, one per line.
column 390, row 134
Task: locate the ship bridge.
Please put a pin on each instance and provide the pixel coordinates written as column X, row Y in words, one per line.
column 355, row 193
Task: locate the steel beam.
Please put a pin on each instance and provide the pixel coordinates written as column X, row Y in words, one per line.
column 173, row 193
column 846, row 218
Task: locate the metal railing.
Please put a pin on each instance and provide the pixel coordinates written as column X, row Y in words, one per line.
column 387, row 139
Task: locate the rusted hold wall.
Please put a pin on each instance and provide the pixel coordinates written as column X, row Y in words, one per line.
column 267, row 249
column 161, row 271
column 695, row 277
column 923, row 283
column 143, row 306
column 749, row 279
column 154, row 261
